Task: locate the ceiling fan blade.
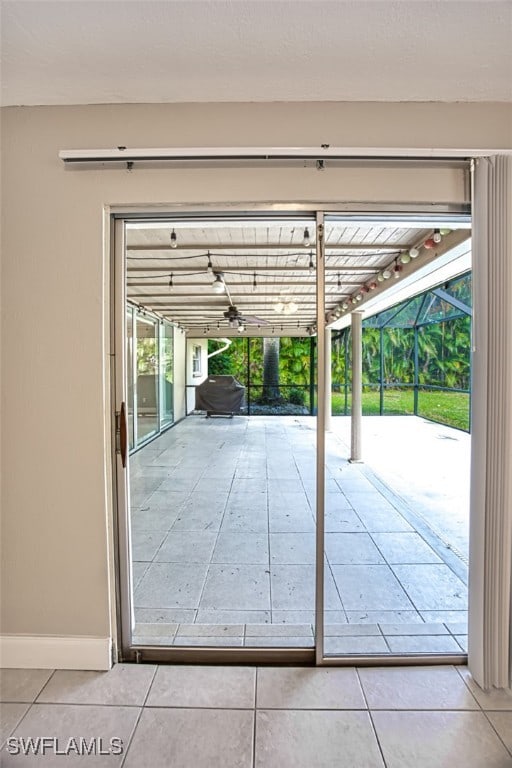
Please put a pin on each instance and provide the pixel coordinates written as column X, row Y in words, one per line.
column 252, row 320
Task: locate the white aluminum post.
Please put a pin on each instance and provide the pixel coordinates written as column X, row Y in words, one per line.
column 328, row 379
column 357, row 388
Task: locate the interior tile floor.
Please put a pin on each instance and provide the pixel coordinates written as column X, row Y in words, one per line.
column 223, row 535
column 247, row 717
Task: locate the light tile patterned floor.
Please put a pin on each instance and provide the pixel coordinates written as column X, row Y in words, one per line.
column 248, row 717
column 223, row 534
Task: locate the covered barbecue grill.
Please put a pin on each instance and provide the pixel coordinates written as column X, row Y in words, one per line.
column 220, row 396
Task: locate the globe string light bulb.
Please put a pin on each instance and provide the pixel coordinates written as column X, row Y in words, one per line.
column 413, row 252
column 437, row 237
column 174, row 240
column 306, row 240
column 218, row 285
column 311, row 266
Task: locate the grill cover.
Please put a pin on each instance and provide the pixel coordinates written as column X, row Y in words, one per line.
column 220, row 394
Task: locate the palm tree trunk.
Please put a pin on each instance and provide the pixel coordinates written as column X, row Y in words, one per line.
column 271, row 370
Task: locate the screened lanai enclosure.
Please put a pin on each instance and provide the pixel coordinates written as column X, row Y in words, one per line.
column 416, row 357
column 258, row 531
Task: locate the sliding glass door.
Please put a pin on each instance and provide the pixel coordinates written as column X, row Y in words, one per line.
column 261, row 527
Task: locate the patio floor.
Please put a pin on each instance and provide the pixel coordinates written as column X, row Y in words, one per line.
column 223, row 535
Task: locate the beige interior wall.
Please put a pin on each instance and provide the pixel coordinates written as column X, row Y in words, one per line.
column 55, row 350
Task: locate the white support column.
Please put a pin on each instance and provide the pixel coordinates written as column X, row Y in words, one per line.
column 357, row 388
column 490, row 639
column 328, row 379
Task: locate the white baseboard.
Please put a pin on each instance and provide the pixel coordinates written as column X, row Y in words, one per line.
column 50, row 652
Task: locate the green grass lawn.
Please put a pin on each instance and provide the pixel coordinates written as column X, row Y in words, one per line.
column 451, row 408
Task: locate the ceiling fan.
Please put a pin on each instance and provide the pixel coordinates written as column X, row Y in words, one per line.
column 237, row 320
column 234, row 317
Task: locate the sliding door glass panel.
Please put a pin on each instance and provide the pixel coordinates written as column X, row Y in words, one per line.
column 166, row 373
column 147, row 389
column 130, row 375
column 396, row 511
column 224, row 503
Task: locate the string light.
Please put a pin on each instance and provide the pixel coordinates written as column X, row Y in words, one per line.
column 174, row 240
column 311, row 266
column 171, row 283
column 254, row 283
column 339, row 280
column 209, row 266
column 436, row 237
column 306, row 241
column 413, row 252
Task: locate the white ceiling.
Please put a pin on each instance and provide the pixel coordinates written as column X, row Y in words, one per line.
column 238, row 50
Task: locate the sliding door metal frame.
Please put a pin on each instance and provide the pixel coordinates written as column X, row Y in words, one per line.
column 122, row 548
column 320, row 437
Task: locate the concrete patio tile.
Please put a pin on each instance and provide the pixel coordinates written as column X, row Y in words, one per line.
column 241, row 547
column 291, row 520
column 432, row 587
column 207, row 630
column 153, row 519
column 462, row 641
column 138, row 571
column 200, row 513
column 145, row 544
column 406, row 548
column 291, row 641
column 343, row 521
column 351, row 630
column 171, row 585
column 351, row 548
column 413, row 629
column 377, row 519
column 422, row 644
column 212, row 616
column 212, row 641
column 340, row 646
column 283, row 487
column 236, row 587
column 182, row 547
column 155, row 630
column 294, row 617
column 386, row 617
column 336, row 501
column 445, row 616
column 293, row 548
column 248, row 486
column 369, row 587
column 278, row 630
column 163, row 615
column 242, row 519
column 293, row 588
column 253, row 502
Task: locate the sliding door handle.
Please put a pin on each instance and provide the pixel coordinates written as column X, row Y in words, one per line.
column 122, row 434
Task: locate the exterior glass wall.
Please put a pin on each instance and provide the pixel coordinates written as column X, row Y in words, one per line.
column 149, row 361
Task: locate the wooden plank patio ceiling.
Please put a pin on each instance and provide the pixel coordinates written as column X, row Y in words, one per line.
column 261, row 262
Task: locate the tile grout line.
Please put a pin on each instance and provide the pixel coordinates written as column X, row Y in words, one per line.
column 137, row 721
column 370, row 716
column 486, row 715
